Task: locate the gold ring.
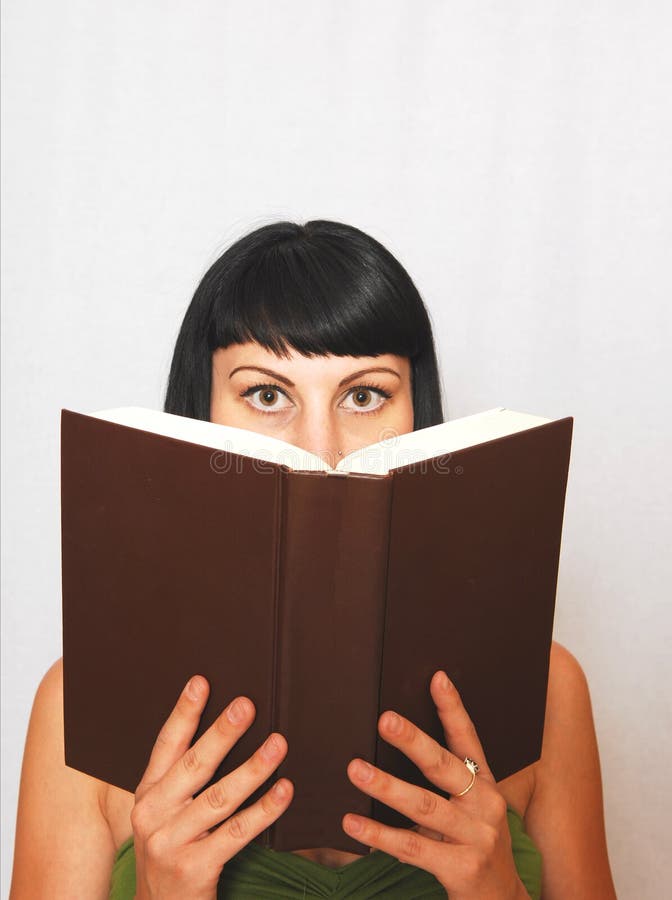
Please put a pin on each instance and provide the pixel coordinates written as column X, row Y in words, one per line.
column 473, row 768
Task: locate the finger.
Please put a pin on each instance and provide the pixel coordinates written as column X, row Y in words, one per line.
column 418, row 804
column 407, row 846
column 460, row 732
column 223, row 798
column 176, row 733
column 437, row 764
column 244, row 826
column 197, row 765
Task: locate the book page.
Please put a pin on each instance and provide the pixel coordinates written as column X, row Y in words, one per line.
column 437, row 440
column 374, row 459
column 220, row 437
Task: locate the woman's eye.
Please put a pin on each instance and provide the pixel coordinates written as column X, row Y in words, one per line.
column 268, row 398
column 366, row 399
column 265, row 397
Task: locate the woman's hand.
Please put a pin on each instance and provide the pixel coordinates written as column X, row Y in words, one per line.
column 179, row 851
column 464, row 841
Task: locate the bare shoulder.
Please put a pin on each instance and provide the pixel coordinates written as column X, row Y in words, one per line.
column 565, row 672
column 565, row 817
column 63, row 845
column 568, row 695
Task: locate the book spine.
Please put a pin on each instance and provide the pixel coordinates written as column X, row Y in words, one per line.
column 330, row 608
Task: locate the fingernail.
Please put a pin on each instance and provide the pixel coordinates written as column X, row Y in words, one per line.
column 236, row 711
column 362, row 770
column 353, row 824
column 444, row 681
column 194, row 688
column 280, row 790
column 392, row 723
column 270, row 747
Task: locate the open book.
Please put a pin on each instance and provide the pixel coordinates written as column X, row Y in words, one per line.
column 375, row 459
column 326, row 595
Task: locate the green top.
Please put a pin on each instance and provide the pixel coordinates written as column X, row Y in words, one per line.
column 259, row 874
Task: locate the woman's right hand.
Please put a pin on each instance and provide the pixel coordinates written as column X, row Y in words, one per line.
column 178, row 850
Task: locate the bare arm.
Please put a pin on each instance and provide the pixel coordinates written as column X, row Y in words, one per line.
column 64, row 847
column 565, row 817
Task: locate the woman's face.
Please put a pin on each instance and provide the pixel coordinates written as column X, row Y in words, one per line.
column 323, row 403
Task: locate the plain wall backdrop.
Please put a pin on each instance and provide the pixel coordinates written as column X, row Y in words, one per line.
column 515, row 157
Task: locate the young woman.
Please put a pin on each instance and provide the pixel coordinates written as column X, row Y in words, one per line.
column 314, row 334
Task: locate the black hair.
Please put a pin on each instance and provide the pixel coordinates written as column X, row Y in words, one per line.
column 320, row 288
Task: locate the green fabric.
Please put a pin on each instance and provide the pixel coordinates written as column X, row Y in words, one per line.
column 259, row 874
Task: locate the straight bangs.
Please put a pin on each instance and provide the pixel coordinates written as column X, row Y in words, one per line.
column 316, row 301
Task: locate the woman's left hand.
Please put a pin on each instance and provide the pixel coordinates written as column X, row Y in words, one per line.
column 463, row 841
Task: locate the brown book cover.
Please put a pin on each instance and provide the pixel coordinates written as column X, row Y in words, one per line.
column 325, row 596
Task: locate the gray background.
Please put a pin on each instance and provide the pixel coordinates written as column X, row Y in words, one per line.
column 515, row 156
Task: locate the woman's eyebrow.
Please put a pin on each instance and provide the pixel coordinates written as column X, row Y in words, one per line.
column 366, row 372
column 265, row 371
column 290, row 384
